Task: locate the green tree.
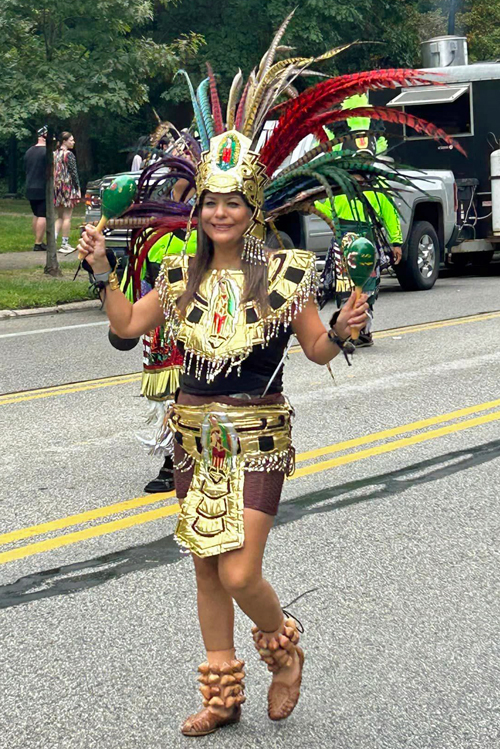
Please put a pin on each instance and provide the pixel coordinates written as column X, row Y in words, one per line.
column 66, row 62
column 71, row 60
column 237, row 32
column 481, row 23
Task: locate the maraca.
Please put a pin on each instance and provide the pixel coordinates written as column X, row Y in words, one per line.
column 115, row 200
column 360, row 256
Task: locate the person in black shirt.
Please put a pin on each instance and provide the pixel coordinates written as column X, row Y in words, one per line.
column 35, row 163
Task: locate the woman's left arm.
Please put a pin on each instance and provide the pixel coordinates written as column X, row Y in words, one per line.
column 313, row 336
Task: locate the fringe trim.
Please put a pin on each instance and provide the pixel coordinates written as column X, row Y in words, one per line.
column 283, row 461
column 160, row 383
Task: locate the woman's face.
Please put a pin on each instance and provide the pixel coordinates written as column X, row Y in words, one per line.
column 225, row 218
column 70, row 143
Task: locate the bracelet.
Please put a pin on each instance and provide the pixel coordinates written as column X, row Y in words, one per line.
column 109, row 278
column 344, row 344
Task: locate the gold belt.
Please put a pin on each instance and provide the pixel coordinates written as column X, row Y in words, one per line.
column 221, row 441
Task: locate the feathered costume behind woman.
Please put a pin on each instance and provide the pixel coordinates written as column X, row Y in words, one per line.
column 320, row 173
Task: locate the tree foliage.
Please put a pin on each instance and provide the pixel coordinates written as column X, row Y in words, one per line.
column 65, row 58
column 481, row 23
column 237, row 32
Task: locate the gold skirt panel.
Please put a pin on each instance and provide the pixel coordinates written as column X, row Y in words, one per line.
column 222, row 441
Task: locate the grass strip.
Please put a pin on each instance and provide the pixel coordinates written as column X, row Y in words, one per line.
column 16, row 234
column 30, row 287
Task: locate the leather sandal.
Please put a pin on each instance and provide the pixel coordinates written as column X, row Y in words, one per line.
column 277, row 650
column 222, row 688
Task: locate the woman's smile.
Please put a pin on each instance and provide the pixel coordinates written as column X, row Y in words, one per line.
column 222, row 227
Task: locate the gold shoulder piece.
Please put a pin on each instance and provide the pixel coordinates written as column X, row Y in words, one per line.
column 171, row 283
column 292, row 280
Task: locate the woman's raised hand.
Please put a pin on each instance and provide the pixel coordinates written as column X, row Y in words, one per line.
column 352, row 315
column 92, row 248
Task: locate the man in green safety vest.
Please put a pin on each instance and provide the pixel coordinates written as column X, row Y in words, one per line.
column 353, row 219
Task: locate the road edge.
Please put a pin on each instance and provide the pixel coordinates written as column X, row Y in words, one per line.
column 69, row 307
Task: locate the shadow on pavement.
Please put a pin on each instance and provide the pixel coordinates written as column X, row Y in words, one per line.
column 83, row 575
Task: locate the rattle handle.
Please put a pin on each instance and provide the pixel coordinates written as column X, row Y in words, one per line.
column 355, row 331
column 100, row 226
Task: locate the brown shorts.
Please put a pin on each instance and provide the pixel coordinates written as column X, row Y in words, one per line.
column 262, row 489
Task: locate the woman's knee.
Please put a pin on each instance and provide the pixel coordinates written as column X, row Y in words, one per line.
column 239, row 579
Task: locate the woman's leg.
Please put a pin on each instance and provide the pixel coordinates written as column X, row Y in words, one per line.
column 66, row 222
column 216, row 616
column 240, row 573
column 215, row 610
column 59, row 219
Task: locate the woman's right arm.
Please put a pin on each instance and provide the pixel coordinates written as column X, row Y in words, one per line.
column 127, row 320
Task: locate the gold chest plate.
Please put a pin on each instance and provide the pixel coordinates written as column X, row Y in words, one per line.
column 218, row 329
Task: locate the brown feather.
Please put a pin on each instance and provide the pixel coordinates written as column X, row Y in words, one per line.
column 233, row 99
column 269, row 56
column 278, row 67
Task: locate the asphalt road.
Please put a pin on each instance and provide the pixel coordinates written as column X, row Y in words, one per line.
column 391, row 521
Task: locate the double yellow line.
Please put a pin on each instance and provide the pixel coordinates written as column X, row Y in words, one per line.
column 71, row 387
column 418, row 431
column 78, row 387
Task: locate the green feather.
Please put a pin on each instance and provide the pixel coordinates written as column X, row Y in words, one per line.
column 202, row 94
column 200, row 123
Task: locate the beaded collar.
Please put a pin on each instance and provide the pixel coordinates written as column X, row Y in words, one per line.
column 219, row 331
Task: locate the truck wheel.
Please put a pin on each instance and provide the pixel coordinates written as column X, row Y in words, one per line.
column 273, row 244
column 420, row 269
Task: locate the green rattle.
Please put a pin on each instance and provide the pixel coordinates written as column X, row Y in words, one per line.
column 360, row 257
column 115, row 200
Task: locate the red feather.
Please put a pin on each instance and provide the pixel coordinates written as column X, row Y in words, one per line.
column 216, row 107
column 238, row 122
column 144, row 241
column 388, row 115
column 296, row 120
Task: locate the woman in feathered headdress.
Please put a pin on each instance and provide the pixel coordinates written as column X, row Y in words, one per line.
column 232, row 309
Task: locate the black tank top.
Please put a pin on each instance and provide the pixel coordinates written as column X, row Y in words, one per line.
column 256, row 371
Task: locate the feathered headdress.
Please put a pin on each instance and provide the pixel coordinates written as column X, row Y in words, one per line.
column 230, row 160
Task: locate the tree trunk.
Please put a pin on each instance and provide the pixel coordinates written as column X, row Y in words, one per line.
column 12, row 167
column 51, row 263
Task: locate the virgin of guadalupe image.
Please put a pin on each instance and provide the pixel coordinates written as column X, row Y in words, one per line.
column 218, row 452
column 224, row 310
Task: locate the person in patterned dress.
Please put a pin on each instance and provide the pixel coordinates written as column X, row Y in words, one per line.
column 67, row 192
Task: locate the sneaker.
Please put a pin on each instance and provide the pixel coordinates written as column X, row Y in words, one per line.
column 41, row 247
column 67, row 249
column 364, row 341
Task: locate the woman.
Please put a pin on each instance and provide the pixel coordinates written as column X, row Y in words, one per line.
column 231, row 310
column 231, row 401
column 66, row 189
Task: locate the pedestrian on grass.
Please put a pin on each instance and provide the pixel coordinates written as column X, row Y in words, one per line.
column 35, row 164
column 66, row 188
